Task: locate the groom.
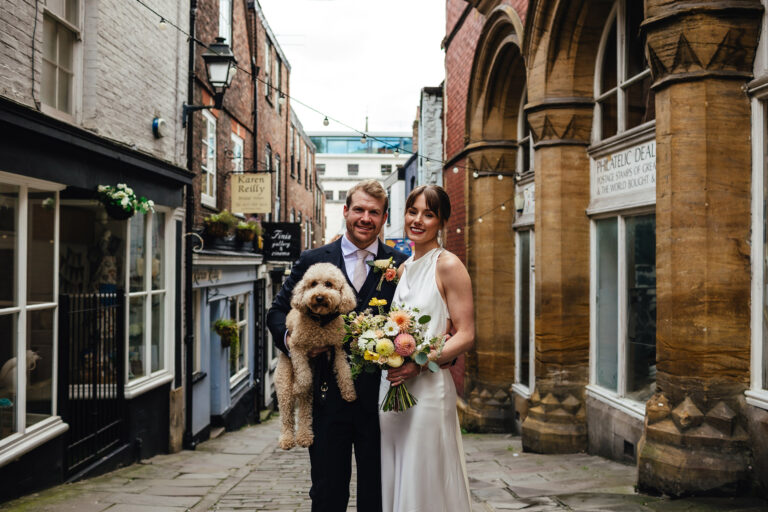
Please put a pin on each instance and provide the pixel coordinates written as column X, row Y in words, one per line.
column 339, row 425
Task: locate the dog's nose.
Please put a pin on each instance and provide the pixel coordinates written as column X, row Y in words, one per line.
column 319, row 299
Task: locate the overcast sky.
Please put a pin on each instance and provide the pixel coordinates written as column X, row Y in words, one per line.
column 352, row 58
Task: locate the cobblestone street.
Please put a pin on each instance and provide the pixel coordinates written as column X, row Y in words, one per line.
column 241, row 471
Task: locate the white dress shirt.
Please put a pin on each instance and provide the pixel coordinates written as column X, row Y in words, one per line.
column 349, row 251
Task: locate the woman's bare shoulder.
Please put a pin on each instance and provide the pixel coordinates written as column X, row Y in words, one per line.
column 449, row 262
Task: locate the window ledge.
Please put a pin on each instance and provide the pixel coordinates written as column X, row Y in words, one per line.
column 208, row 201
column 237, row 379
column 141, row 386
column 757, row 398
column 522, row 390
column 625, row 405
column 34, row 437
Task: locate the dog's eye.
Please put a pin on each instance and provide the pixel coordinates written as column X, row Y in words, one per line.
column 328, row 284
column 313, row 283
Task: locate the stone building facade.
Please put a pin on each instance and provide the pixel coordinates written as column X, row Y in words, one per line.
column 612, row 175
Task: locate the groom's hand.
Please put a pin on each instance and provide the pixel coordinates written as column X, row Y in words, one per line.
column 399, row 375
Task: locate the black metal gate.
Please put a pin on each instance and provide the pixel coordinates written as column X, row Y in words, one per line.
column 91, row 384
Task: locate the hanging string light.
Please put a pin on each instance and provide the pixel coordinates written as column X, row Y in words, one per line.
column 326, row 122
column 500, row 177
column 455, row 170
column 363, row 139
column 162, row 25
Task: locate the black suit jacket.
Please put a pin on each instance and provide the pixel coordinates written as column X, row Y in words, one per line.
column 330, row 253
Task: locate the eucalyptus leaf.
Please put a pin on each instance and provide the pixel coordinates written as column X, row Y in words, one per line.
column 433, row 366
column 420, row 358
column 424, row 319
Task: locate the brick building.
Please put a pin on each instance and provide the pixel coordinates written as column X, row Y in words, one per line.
column 90, row 313
column 612, row 169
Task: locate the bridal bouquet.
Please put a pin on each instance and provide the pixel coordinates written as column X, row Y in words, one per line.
column 386, row 340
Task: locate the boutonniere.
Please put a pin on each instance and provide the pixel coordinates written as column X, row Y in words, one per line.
column 386, row 268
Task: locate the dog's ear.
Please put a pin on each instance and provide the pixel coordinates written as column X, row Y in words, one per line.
column 348, row 298
column 297, row 299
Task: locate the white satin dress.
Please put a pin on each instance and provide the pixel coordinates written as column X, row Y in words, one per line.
column 422, row 456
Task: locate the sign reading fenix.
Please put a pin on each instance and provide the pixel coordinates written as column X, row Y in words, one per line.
column 631, row 170
column 252, row 193
column 282, row 241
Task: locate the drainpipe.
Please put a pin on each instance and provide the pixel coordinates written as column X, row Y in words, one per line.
column 189, row 312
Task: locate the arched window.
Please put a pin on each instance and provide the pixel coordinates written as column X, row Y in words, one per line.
column 623, row 96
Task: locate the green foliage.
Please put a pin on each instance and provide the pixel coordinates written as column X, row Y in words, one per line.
column 223, row 217
column 249, row 226
column 433, row 367
column 227, row 329
column 424, row 319
column 420, row 358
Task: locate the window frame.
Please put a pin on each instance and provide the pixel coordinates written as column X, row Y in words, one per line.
column 522, row 388
column 226, row 19
column 27, row 438
column 243, row 372
column 353, row 169
column 616, row 398
column 139, row 385
column 268, row 71
column 208, row 170
column 77, row 63
column 617, row 15
column 277, row 186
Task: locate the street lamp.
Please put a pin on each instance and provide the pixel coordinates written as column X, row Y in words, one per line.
column 220, row 66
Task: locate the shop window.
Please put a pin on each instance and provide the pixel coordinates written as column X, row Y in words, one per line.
column 623, row 95
column 624, row 306
column 524, row 312
column 239, row 310
column 28, row 306
column 149, row 310
column 225, row 21
column 208, row 162
column 61, row 46
column 329, row 195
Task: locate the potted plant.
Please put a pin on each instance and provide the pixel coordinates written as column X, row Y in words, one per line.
column 219, row 225
column 121, row 202
column 247, row 231
column 227, row 330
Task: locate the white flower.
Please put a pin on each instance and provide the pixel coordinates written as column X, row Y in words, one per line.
column 124, row 201
column 371, row 345
column 151, row 203
column 121, row 185
column 102, row 188
column 391, row 328
column 368, row 335
column 129, row 190
column 361, row 344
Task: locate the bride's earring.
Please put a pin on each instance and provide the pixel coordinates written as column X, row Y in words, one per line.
column 440, row 238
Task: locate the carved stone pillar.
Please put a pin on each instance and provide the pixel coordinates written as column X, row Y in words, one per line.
column 700, row 54
column 556, row 420
column 491, row 264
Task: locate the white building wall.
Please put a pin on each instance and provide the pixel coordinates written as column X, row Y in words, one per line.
column 395, row 225
column 430, row 170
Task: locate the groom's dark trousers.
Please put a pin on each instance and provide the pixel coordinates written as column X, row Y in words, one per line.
column 339, row 425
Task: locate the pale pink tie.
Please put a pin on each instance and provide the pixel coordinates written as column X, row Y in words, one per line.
column 360, row 271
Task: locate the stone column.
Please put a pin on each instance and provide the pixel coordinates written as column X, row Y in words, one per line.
column 556, row 420
column 491, row 264
column 701, row 55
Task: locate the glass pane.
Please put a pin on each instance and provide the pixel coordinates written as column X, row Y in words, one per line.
column 9, row 203
column 524, row 262
column 158, row 331
column 609, row 117
column 636, row 63
column 241, row 348
column 66, row 47
column 42, row 206
column 64, row 96
column 241, row 305
column 49, row 39
column 48, row 84
column 72, row 12
column 609, row 69
column 640, row 103
column 158, row 250
column 641, row 305
column 765, row 284
column 136, row 255
column 39, row 365
column 607, row 303
column 7, row 375
column 136, row 337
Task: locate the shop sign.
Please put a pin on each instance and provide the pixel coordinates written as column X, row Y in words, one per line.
column 630, row 171
column 251, row 192
column 282, row 241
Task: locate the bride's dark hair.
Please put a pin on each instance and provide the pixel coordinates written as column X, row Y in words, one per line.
column 437, row 200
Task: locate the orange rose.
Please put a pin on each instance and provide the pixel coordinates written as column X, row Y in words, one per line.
column 390, row 274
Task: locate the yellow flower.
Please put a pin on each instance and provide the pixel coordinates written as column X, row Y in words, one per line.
column 384, row 347
column 377, row 302
column 395, row 361
column 370, row 356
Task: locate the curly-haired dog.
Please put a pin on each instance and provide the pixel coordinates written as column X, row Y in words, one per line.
column 314, row 321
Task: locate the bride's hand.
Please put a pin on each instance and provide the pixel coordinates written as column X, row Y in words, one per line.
column 399, row 375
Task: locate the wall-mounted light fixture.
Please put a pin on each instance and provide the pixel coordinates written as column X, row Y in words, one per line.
column 220, row 65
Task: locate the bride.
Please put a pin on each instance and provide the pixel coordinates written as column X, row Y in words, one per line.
column 422, row 458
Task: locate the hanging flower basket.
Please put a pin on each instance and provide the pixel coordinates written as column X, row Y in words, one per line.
column 219, row 225
column 247, row 231
column 121, row 202
column 227, row 330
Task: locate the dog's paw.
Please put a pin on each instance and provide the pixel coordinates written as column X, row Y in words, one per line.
column 305, row 439
column 286, row 442
column 301, row 388
column 349, row 395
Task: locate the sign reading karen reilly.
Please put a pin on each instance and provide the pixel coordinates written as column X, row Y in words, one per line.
column 252, row 192
column 282, row 241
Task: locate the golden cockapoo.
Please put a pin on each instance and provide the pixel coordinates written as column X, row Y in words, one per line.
column 314, row 321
